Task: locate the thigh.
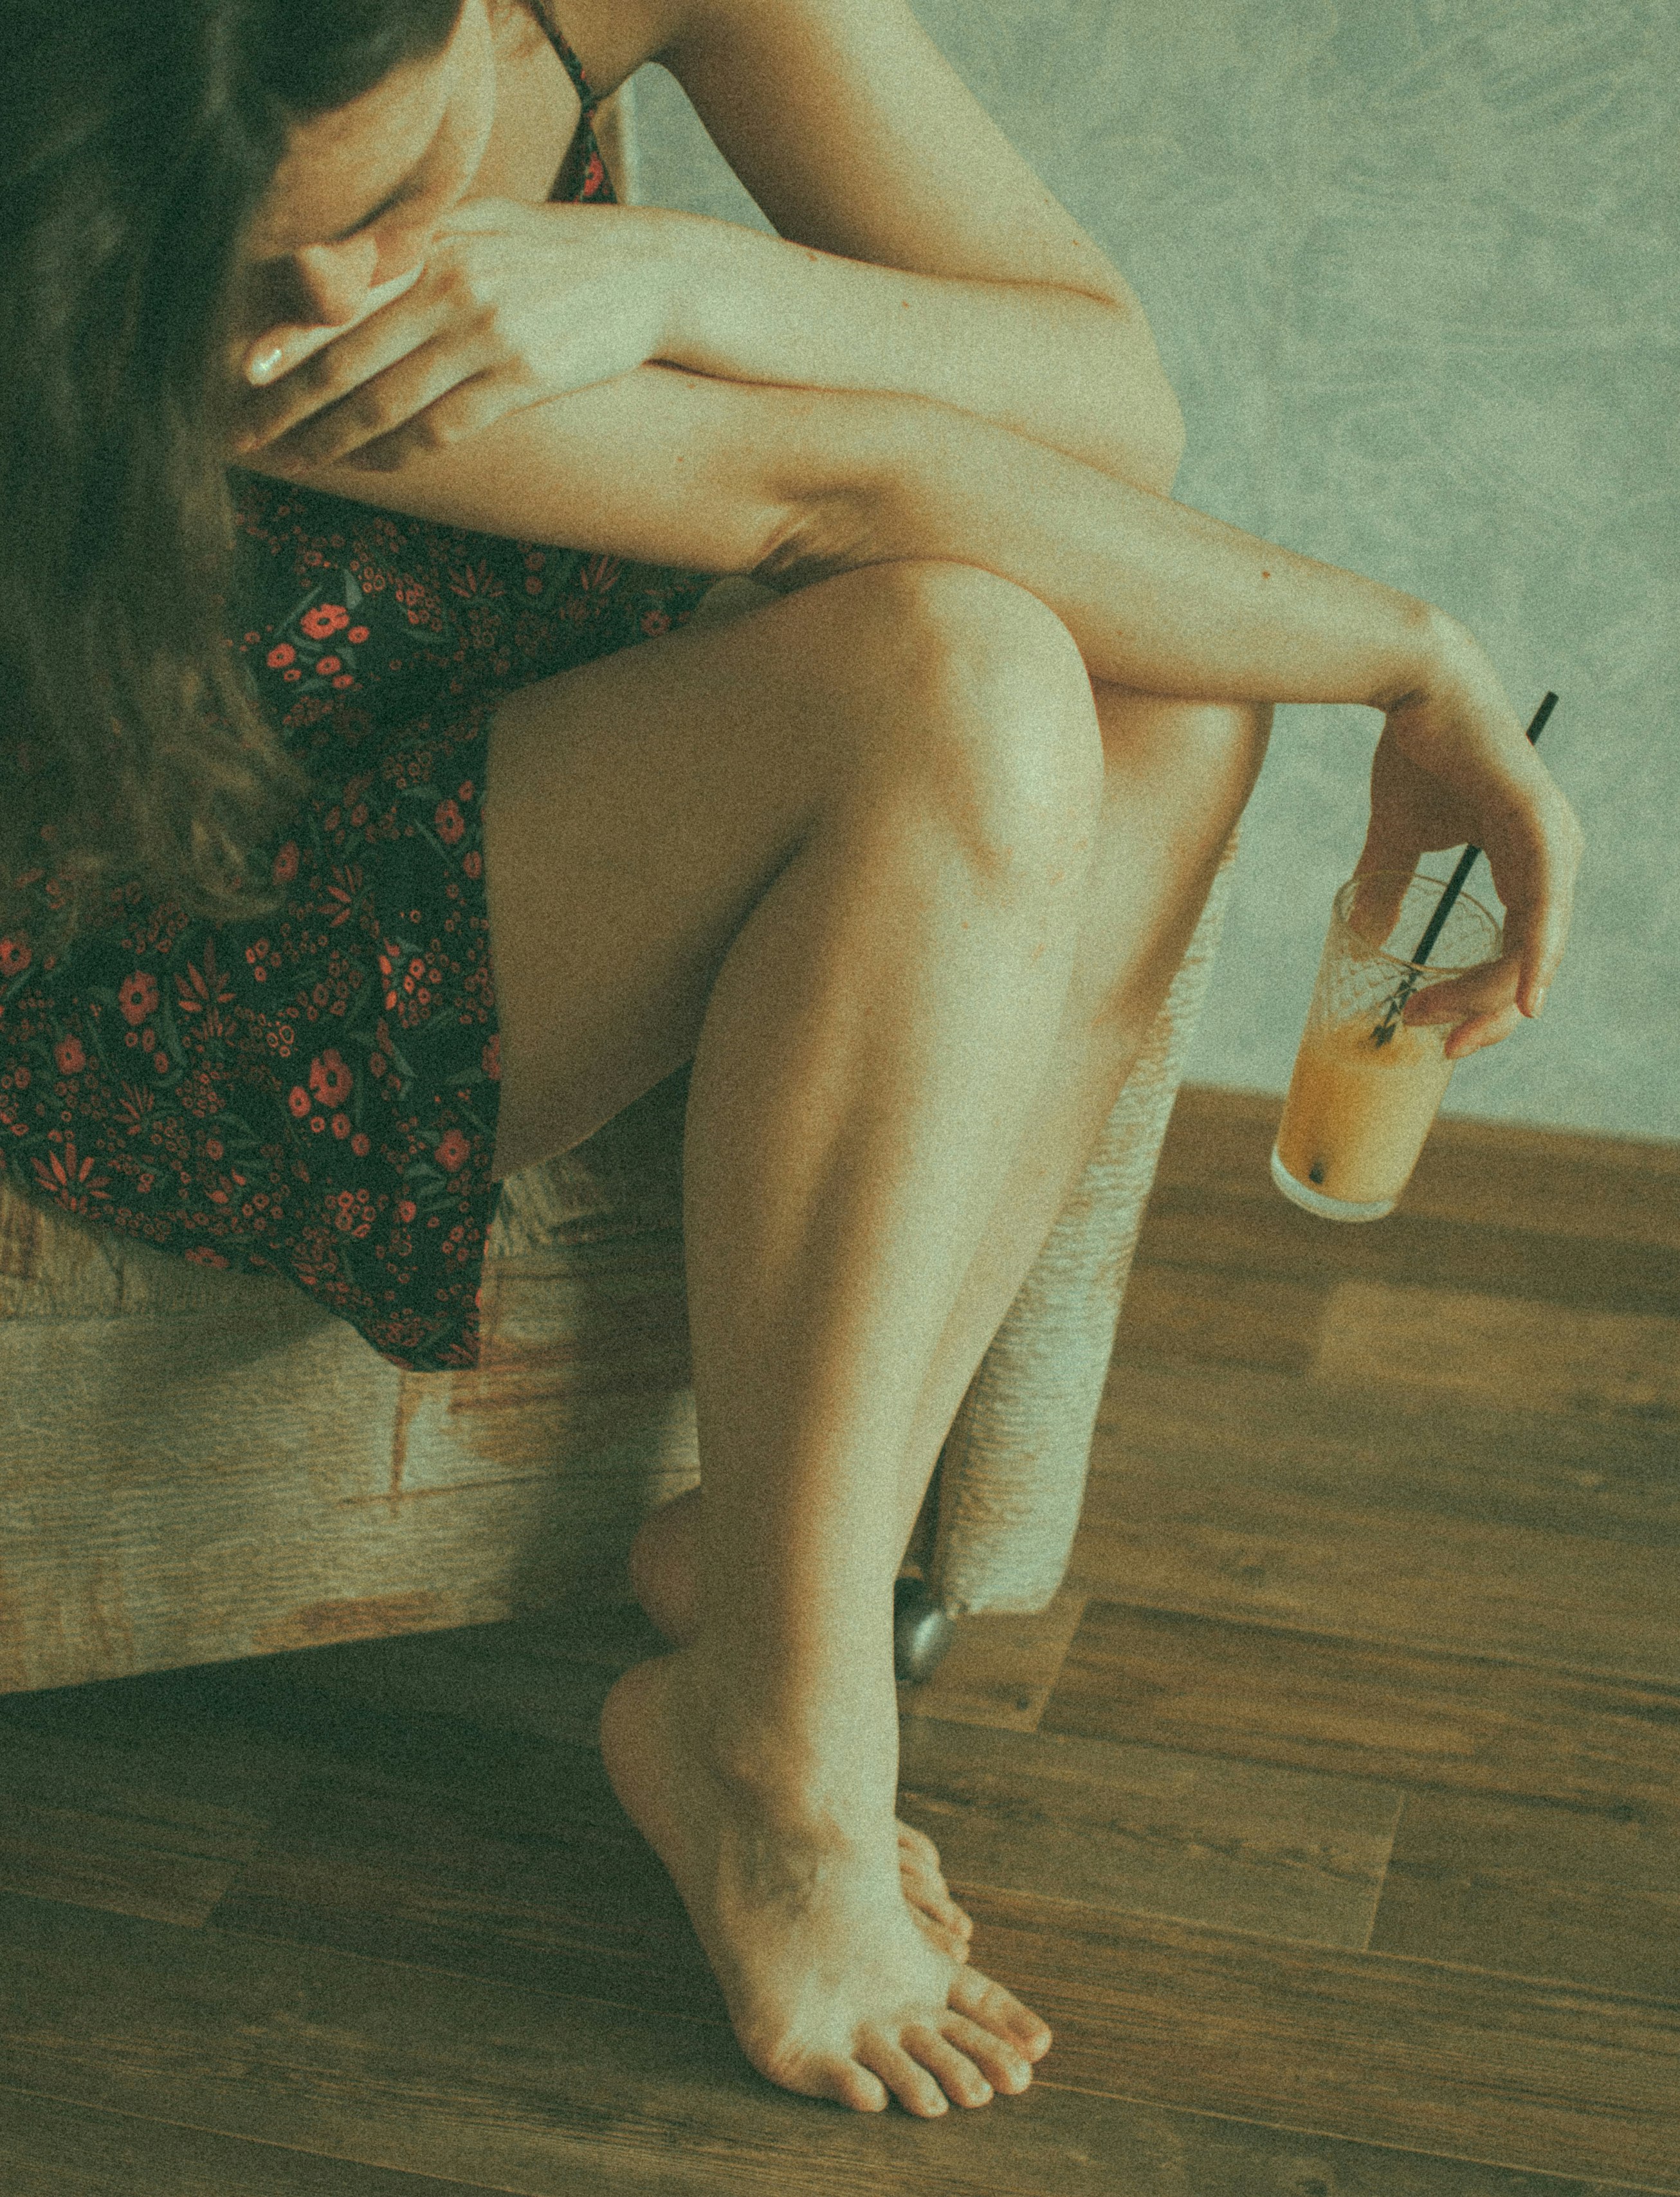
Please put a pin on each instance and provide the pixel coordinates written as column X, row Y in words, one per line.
column 638, row 808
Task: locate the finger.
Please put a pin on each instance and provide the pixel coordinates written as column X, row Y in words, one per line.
column 1481, row 993
column 1378, row 902
column 353, row 352
column 464, row 411
column 1535, row 937
column 1535, row 879
column 421, row 395
column 1480, row 1031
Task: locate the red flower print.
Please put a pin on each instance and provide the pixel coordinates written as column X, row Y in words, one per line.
column 70, row 1056
column 298, row 1101
column 656, row 622
column 281, row 656
column 344, row 679
column 464, row 790
column 341, row 1126
column 360, row 1145
column 15, row 956
column 294, row 673
column 207, row 1255
column 492, row 1058
column 451, row 824
column 329, row 664
column 286, row 863
column 137, row 996
column 326, row 619
column 357, row 635
column 20, row 1076
column 214, row 1147
column 533, row 585
column 330, row 1079
column 407, row 1210
column 472, row 862
column 65, row 1177
column 593, row 174
column 452, row 1151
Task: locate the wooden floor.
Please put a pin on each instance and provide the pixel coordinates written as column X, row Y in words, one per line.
column 1331, row 1815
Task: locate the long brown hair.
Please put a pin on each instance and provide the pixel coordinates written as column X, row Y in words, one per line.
column 138, row 143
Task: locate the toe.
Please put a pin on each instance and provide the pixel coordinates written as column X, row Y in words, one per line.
column 919, row 1843
column 1005, row 2067
column 962, row 2081
column 954, row 1947
column 930, row 1896
column 915, row 2088
column 999, row 2011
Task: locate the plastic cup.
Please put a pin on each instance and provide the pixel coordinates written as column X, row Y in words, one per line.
column 1360, row 1103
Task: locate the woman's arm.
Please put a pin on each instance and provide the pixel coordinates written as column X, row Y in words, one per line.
column 1157, row 596
column 1077, row 372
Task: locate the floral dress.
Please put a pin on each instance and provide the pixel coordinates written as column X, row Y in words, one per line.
column 315, row 1094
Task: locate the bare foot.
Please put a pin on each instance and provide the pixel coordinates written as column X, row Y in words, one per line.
column 832, row 1989
column 664, row 1575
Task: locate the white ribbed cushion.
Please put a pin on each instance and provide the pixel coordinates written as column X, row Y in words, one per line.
column 1011, row 1476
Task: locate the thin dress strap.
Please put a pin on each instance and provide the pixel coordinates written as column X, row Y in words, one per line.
column 574, row 67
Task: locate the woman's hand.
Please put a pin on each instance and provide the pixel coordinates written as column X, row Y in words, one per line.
column 1453, row 767
column 513, row 304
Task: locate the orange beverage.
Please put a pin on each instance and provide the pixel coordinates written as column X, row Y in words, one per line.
column 1366, row 1085
column 1358, row 1113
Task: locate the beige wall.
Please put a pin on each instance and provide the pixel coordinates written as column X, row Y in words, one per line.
column 1412, row 266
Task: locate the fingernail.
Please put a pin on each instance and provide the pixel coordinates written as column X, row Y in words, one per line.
column 1537, row 1004
column 265, row 363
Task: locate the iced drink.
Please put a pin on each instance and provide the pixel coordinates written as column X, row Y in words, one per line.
column 1366, row 1086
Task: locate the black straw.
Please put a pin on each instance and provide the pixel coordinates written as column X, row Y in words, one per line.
column 1467, row 862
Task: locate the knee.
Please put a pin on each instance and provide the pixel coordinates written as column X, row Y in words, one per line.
column 996, row 707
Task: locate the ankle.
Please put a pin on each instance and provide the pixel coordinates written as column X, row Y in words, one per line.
column 810, row 1763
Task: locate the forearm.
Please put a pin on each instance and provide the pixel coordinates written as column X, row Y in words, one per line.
column 1079, row 374
column 1156, row 596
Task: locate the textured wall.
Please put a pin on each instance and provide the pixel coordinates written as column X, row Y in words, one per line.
column 1412, row 267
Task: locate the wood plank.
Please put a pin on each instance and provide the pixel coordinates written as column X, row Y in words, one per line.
column 1250, row 1496
column 1196, row 1315
column 447, row 2079
column 1556, row 2079
column 543, row 1675
column 1498, row 1884
column 538, row 1880
column 1151, row 1830
column 1495, row 1175
column 999, row 1668
column 142, row 1834
column 422, row 2072
column 1425, row 1458
column 1508, row 1354
column 56, row 2150
column 1266, row 1237
column 1607, row 1750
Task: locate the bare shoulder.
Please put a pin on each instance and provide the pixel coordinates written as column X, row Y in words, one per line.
column 613, row 38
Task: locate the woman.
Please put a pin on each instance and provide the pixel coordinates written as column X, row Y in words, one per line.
column 901, row 859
